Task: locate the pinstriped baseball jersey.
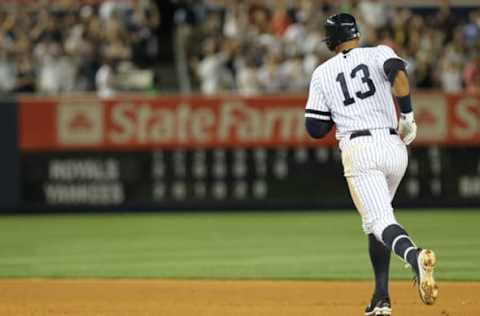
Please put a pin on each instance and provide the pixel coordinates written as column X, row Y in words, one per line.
column 353, row 90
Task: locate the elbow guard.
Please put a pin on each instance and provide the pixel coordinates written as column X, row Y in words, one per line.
column 317, row 128
column 391, row 67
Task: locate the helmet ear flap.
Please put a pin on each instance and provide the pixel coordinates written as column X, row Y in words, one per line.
column 331, row 40
column 331, row 44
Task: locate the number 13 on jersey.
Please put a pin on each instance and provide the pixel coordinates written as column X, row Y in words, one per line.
column 365, row 77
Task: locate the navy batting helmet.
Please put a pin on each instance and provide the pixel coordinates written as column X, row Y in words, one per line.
column 340, row 28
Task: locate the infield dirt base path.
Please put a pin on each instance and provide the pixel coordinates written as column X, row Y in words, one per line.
column 87, row 297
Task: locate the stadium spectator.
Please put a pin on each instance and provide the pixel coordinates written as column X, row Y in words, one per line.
column 211, row 69
column 8, row 72
column 450, row 75
column 247, row 79
column 374, row 13
column 105, row 79
column 472, row 75
column 270, row 75
column 280, row 19
column 51, row 65
column 25, row 73
column 236, row 20
column 472, row 30
column 294, row 74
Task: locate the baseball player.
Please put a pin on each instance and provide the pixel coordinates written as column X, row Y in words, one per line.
column 353, row 90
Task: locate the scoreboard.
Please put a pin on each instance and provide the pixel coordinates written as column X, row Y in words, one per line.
column 257, row 177
column 250, row 178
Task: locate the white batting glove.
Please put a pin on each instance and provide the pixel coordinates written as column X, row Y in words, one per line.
column 407, row 127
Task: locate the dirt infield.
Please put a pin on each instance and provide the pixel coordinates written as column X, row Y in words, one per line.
column 84, row 297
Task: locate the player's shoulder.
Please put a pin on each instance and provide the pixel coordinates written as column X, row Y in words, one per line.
column 384, row 48
column 325, row 66
column 378, row 53
column 376, row 50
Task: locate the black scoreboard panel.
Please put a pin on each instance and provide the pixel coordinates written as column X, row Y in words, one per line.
column 286, row 177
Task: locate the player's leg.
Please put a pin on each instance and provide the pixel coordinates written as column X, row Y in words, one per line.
column 393, row 182
column 362, row 179
column 394, row 174
column 366, row 193
column 378, row 253
column 372, row 198
column 395, row 236
column 380, row 259
column 373, row 194
column 422, row 261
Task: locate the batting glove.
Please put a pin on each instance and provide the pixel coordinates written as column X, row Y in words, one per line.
column 407, row 127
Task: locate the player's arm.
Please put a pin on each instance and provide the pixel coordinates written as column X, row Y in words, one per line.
column 317, row 128
column 396, row 73
column 318, row 118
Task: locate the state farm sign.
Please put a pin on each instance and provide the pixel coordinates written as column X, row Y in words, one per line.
column 192, row 122
column 229, row 122
column 170, row 122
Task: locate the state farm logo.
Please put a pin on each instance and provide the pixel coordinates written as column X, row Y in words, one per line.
column 466, row 122
column 80, row 123
column 431, row 117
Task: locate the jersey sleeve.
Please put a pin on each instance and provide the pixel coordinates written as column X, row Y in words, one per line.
column 317, row 107
column 384, row 53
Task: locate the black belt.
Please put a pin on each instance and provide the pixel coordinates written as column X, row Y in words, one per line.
column 366, row 132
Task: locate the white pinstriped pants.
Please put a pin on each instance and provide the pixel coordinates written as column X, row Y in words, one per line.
column 374, row 166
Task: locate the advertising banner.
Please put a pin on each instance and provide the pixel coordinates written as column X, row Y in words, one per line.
column 211, row 122
column 165, row 122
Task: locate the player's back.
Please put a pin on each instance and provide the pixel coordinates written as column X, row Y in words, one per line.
column 355, row 90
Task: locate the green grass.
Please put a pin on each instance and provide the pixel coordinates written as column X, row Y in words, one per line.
column 285, row 245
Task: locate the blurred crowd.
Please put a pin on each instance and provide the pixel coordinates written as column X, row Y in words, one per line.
column 57, row 46
column 245, row 46
column 269, row 46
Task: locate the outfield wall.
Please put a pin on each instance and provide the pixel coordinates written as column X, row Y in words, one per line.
column 174, row 152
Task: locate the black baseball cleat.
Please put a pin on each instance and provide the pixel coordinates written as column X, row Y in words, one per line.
column 379, row 307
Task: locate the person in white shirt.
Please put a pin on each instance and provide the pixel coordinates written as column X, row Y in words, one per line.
column 105, row 80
